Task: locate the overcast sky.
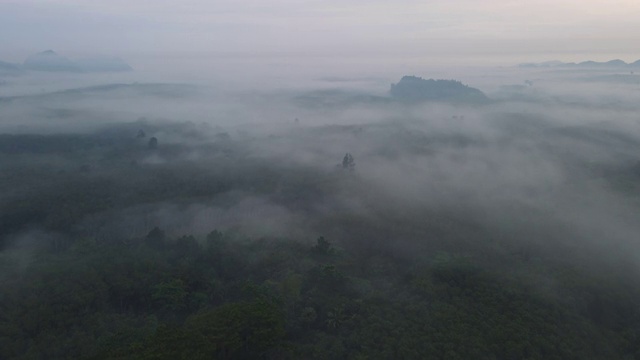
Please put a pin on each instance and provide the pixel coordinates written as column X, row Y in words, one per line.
column 510, row 29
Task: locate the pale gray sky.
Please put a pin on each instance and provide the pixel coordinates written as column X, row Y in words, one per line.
column 460, row 29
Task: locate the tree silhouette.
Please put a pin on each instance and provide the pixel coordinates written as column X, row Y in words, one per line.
column 153, row 143
column 347, row 162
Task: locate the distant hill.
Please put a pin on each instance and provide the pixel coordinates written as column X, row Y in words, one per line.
column 413, row 88
column 9, row 68
column 50, row 61
column 617, row 63
column 53, row 62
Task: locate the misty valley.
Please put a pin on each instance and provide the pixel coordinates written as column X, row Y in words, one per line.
column 494, row 216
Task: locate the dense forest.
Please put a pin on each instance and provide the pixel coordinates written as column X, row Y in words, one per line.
column 104, row 256
column 321, row 179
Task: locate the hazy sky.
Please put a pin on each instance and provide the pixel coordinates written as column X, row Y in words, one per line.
column 515, row 29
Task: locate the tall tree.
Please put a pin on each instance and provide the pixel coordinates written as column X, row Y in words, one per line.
column 347, row 162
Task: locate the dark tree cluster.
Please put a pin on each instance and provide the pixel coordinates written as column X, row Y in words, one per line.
column 228, row 298
column 348, row 162
column 379, row 284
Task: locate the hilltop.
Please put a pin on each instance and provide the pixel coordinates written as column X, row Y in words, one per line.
column 413, row 88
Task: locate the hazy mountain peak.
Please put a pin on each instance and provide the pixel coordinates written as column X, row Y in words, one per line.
column 49, row 60
column 616, row 62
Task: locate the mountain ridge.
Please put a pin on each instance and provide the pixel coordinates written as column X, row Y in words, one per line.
column 615, row 63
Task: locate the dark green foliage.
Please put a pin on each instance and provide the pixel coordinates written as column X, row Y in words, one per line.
column 170, row 295
column 323, row 247
column 238, row 330
column 187, row 300
column 155, row 238
column 386, row 285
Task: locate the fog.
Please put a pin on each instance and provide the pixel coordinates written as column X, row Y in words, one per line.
column 557, row 146
column 548, row 166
